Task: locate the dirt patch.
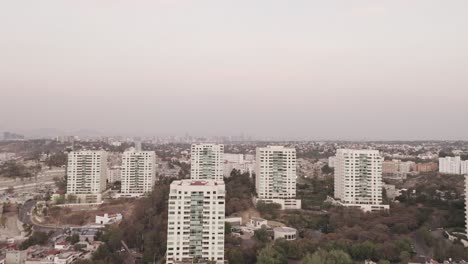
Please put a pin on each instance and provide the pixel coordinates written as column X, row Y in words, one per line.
column 11, row 228
column 84, row 215
column 247, row 215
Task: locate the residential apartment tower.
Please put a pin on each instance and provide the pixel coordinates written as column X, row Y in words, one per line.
column 276, row 176
column 207, row 162
column 358, row 179
column 138, row 173
column 196, row 221
column 86, row 175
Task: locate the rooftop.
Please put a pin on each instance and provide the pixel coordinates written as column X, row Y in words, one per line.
column 197, row 183
column 285, row 229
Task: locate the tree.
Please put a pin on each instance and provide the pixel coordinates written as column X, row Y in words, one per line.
column 235, row 256
column 3, row 221
column 261, row 235
column 324, row 257
column 269, row 255
column 37, row 238
column 61, row 183
column 268, row 210
column 75, row 238
column 404, row 257
column 239, row 191
column 384, row 262
column 11, row 190
column 327, row 170
column 71, row 198
column 57, row 160
column 363, row 251
column 227, row 228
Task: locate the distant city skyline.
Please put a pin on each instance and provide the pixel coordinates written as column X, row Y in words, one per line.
column 323, row 70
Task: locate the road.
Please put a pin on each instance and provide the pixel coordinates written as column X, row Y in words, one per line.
column 29, row 186
column 420, row 247
column 25, row 217
column 44, row 177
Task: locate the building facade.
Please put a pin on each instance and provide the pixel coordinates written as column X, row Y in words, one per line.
column 464, row 167
column 450, row 165
column 275, row 180
column 86, row 175
column 138, row 173
column 196, row 221
column 331, row 161
column 113, row 174
column 237, row 162
column 426, row 167
column 466, row 204
column 358, row 179
column 207, row 162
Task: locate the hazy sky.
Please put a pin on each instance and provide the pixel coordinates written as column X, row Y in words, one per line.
column 368, row 69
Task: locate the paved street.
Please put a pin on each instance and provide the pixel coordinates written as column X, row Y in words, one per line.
column 25, row 217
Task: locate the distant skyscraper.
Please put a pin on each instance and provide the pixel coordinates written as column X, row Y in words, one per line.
column 450, row 165
column 86, row 175
column 138, row 172
column 196, row 221
column 207, row 162
column 358, row 179
column 276, row 176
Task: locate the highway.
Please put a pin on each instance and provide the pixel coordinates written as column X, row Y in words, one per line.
column 45, row 176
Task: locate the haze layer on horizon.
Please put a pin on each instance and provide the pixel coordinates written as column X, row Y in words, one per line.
column 313, row 69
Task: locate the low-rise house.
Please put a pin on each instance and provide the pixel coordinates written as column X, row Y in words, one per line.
column 287, row 233
column 66, row 257
column 258, row 223
column 16, row 256
column 88, row 235
column 234, row 221
column 108, row 218
column 64, row 245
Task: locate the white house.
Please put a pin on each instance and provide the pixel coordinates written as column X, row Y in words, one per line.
column 106, row 219
column 62, row 245
column 287, row 233
column 234, row 221
column 65, row 258
column 258, row 223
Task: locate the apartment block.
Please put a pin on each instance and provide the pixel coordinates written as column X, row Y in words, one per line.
column 207, row 162
column 426, row 167
column 195, row 228
column 276, row 176
column 237, row 162
column 86, row 175
column 138, row 173
column 450, row 165
column 466, row 204
column 114, row 174
column 358, row 179
column 464, row 167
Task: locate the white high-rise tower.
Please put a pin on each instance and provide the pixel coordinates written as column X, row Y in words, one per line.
column 138, row 172
column 466, row 203
column 276, row 176
column 86, row 175
column 450, row 165
column 358, row 179
column 195, row 228
column 207, row 162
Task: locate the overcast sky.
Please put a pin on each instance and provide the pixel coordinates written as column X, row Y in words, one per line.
column 367, row 69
